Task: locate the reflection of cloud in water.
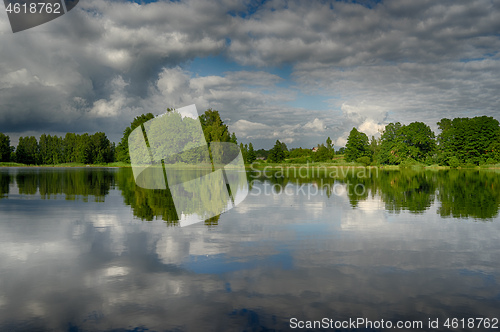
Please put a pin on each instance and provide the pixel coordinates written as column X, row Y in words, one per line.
column 371, row 205
column 93, row 265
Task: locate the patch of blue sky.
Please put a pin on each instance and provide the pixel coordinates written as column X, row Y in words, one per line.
column 472, row 59
column 311, row 102
column 251, row 8
column 283, row 71
column 484, row 57
column 218, row 65
column 366, row 3
column 142, row 2
column 215, row 65
column 316, row 230
column 223, row 263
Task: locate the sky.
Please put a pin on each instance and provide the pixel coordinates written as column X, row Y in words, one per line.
column 297, row 71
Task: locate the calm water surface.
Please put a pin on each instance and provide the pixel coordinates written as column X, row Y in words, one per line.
column 85, row 250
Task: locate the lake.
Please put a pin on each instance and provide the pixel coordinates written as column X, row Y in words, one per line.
column 84, row 249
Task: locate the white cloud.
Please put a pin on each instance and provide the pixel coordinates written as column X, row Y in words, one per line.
column 399, row 61
column 316, row 124
column 115, row 104
column 245, row 126
column 342, row 140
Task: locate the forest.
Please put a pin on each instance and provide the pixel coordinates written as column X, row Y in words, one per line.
column 461, row 142
column 96, row 148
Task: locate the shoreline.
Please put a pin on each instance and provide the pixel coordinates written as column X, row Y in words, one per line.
column 261, row 166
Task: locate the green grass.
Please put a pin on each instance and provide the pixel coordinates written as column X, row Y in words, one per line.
column 490, row 166
column 115, row 164
column 336, row 162
column 119, row 164
column 9, row 164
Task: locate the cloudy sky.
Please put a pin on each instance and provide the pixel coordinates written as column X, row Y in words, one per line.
column 298, row 71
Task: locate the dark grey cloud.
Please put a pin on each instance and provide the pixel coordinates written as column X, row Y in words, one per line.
column 103, row 63
column 349, row 34
column 98, row 62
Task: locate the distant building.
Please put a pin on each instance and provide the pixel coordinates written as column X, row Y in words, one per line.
column 315, row 149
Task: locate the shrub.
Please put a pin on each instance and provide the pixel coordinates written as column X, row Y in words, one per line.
column 364, row 160
column 490, row 161
column 408, row 162
column 453, row 162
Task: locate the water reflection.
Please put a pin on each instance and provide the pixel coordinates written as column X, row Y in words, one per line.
column 459, row 193
column 5, row 181
column 74, row 183
column 94, row 265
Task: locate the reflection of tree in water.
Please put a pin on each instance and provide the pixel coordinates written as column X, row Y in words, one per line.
column 191, row 198
column 214, row 221
column 73, row 183
column 407, row 190
column 473, row 194
column 5, row 181
column 208, row 194
column 146, row 204
column 27, row 183
column 461, row 193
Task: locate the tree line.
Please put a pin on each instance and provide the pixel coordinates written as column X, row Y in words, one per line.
column 98, row 149
column 72, row 148
column 462, row 141
column 279, row 153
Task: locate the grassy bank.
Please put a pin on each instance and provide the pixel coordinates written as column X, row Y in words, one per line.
column 262, row 165
column 115, row 164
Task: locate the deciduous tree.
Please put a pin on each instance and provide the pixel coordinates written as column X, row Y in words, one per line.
column 357, row 146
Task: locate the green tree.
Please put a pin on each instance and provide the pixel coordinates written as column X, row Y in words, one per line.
column 419, row 140
column 214, row 128
column 470, row 140
column 233, row 139
column 329, row 144
column 27, row 151
column 357, row 146
column 388, row 153
column 300, row 152
column 322, row 154
column 262, row 153
column 69, row 148
column 374, row 147
column 251, row 157
column 83, row 150
column 244, row 152
column 101, row 149
column 400, row 143
column 121, row 151
column 278, row 153
column 56, row 149
column 4, row 148
column 45, row 156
